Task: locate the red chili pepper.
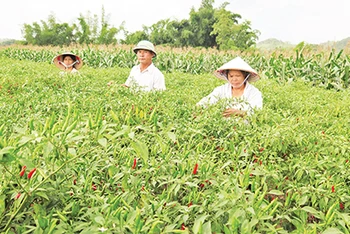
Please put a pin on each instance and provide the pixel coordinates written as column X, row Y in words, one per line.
column 333, row 189
column 183, row 227
column 94, row 187
column 23, row 171
column 195, row 169
column 18, row 195
column 30, row 174
column 190, row 204
column 134, row 165
column 341, row 206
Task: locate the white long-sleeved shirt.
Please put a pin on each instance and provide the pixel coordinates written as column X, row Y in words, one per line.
column 149, row 79
column 251, row 98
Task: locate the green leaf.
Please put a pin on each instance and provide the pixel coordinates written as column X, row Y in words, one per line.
column 332, row 231
column 103, row 142
column 2, row 204
column 72, row 151
column 48, row 147
column 24, row 140
column 310, row 210
column 172, row 136
column 276, row 192
column 100, row 220
column 6, row 155
column 207, row 228
column 42, row 194
column 43, row 222
column 141, row 149
column 198, row 224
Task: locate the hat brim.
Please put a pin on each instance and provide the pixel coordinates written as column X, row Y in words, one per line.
column 221, row 74
column 144, row 48
column 236, row 64
column 58, row 60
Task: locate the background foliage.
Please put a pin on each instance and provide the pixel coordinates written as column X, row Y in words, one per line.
column 206, row 27
column 329, row 69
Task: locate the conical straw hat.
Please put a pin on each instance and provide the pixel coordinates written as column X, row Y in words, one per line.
column 236, row 64
column 58, row 60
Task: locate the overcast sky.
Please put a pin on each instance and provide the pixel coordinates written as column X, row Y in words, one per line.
column 294, row 21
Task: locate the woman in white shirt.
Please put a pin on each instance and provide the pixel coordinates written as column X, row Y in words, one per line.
column 68, row 63
column 145, row 76
column 242, row 97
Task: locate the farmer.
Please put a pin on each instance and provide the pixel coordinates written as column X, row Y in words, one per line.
column 241, row 96
column 145, row 75
column 68, row 63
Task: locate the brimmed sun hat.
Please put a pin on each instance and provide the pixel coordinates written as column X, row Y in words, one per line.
column 236, row 64
column 145, row 45
column 58, row 61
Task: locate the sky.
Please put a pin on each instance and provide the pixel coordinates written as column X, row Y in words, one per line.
column 293, row 21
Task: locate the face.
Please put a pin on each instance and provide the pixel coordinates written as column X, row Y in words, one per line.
column 68, row 60
column 144, row 56
column 235, row 77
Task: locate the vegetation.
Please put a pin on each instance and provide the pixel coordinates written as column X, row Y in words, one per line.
column 325, row 69
column 87, row 31
column 208, row 27
column 81, row 154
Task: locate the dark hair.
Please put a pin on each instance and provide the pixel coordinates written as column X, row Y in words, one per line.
column 71, row 56
column 245, row 73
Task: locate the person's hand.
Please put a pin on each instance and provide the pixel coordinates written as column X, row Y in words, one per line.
column 110, row 83
column 233, row 112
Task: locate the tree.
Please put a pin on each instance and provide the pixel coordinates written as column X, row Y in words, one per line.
column 107, row 33
column 48, row 33
column 92, row 30
column 135, row 37
column 162, row 32
column 201, row 25
column 245, row 36
column 83, row 34
column 229, row 33
column 86, row 31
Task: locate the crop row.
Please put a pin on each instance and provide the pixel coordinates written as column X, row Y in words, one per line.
column 326, row 69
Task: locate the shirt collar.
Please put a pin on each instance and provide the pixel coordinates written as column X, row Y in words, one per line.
column 150, row 68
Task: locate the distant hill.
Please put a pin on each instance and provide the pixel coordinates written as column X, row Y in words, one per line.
column 338, row 45
column 4, row 42
column 271, row 44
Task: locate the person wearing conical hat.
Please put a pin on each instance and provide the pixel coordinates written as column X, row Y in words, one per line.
column 242, row 96
column 68, row 62
column 145, row 76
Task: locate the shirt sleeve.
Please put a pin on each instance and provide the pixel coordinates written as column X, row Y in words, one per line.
column 159, row 81
column 130, row 78
column 253, row 101
column 212, row 98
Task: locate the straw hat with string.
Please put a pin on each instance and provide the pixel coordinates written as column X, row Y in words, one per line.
column 236, row 64
column 58, row 61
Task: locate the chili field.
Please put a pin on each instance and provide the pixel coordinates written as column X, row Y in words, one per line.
column 81, row 154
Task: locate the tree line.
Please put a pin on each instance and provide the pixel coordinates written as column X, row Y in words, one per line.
column 205, row 27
